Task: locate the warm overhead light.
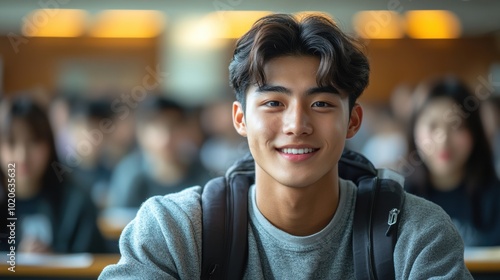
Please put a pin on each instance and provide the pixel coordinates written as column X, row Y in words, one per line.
column 55, row 23
column 128, row 24
column 303, row 14
column 378, row 24
column 211, row 30
column 195, row 32
column 432, row 24
column 233, row 24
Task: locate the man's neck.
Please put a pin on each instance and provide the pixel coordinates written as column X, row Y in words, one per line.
column 299, row 211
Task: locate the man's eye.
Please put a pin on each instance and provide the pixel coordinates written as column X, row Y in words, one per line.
column 321, row 104
column 273, row 103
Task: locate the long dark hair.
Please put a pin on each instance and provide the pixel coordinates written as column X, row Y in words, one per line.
column 479, row 166
column 22, row 108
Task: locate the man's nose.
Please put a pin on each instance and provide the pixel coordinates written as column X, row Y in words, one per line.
column 296, row 120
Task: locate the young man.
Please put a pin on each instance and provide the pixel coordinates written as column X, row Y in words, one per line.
column 296, row 83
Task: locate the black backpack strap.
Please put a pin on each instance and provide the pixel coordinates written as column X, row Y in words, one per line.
column 378, row 204
column 361, row 237
column 213, row 205
column 225, row 222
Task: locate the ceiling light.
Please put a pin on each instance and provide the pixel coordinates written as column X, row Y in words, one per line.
column 233, row 24
column 378, row 24
column 128, row 24
column 54, row 23
column 432, row 24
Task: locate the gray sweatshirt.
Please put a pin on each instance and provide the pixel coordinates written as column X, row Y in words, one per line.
column 164, row 242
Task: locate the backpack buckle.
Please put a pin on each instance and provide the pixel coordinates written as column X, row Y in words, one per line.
column 393, row 216
column 393, row 219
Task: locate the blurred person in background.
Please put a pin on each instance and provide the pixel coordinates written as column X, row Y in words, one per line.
column 166, row 161
column 386, row 143
column 490, row 114
column 452, row 163
column 401, row 104
column 223, row 145
column 88, row 139
column 53, row 215
column 58, row 113
column 118, row 127
column 119, row 142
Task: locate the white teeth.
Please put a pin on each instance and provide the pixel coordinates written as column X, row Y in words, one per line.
column 297, row 151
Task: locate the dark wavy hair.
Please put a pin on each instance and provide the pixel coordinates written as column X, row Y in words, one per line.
column 343, row 65
column 23, row 108
column 480, row 168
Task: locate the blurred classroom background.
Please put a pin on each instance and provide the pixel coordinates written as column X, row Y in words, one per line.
column 138, row 98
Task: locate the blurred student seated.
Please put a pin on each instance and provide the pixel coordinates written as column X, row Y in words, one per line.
column 87, row 142
column 53, row 214
column 451, row 161
column 223, row 145
column 164, row 162
column 58, row 113
column 490, row 113
column 386, row 142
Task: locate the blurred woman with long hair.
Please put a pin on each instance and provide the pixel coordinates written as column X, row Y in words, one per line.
column 453, row 164
column 53, row 214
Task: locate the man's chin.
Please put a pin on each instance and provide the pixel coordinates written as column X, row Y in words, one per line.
column 294, row 182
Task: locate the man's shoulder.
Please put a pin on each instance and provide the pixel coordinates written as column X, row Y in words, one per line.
column 173, row 213
column 163, row 241
column 187, row 200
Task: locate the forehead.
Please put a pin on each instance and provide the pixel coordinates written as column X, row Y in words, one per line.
column 289, row 74
column 282, row 67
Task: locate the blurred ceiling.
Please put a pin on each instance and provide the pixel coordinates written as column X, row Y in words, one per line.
column 477, row 17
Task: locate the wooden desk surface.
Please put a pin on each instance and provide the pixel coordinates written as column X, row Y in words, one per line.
column 475, row 265
column 112, row 221
column 483, row 266
column 98, row 263
column 483, row 259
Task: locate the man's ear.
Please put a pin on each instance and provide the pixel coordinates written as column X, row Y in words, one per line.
column 239, row 119
column 354, row 121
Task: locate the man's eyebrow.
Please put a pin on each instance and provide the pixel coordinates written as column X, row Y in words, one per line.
column 270, row 88
column 325, row 89
column 281, row 89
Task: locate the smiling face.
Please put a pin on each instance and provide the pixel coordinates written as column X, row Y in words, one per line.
column 296, row 129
